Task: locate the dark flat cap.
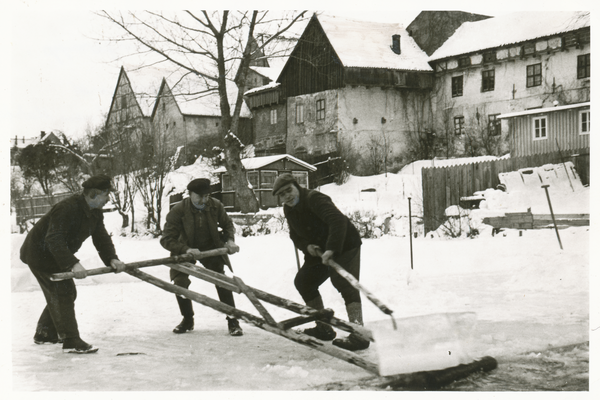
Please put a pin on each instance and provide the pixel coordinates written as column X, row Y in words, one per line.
column 200, row 186
column 281, row 181
column 101, row 182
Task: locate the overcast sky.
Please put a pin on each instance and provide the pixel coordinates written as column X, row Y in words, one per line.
column 63, row 79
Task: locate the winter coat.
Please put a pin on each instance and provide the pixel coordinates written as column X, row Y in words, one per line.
column 316, row 220
column 178, row 233
column 51, row 244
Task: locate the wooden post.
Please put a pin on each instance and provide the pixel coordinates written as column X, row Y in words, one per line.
column 552, row 213
column 410, row 232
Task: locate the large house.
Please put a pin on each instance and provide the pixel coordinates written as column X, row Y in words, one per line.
column 511, row 63
column 368, row 89
column 346, row 84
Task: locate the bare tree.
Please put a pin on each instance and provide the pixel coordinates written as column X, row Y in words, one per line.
column 421, row 139
column 118, row 144
column 152, row 165
column 208, row 50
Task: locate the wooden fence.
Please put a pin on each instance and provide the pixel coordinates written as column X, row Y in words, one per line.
column 444, row 186
column 36, row 206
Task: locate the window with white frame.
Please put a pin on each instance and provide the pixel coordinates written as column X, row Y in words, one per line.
column 267, row 179
column 539, row 128
column 273, row 117
column 299, row 113
column 584, row 122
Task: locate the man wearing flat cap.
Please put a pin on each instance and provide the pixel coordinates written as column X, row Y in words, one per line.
column 50, row 247
column 193, row 227
column 322, row 233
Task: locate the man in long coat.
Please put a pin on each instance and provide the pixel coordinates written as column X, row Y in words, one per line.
column 50, row 247
column 193, row 227
column 322, row 233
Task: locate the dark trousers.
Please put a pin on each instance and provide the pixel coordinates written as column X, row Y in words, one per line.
column 313, row 274
column 215, row 264
column 58, row 316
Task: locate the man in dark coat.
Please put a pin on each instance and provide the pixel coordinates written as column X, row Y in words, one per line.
column 322, row 232
column 50, row 247
column 193, row 227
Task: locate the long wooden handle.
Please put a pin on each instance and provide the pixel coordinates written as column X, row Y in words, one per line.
column 354, row 282
column 140, row 264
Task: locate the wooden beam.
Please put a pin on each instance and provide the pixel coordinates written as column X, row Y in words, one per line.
column 141, row 264
column 201, row 272
column 292, row 335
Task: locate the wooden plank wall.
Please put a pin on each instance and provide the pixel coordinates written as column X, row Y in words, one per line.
column 444, row 186
column 35, row 207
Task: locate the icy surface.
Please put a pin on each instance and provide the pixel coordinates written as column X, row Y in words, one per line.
column 529, row 296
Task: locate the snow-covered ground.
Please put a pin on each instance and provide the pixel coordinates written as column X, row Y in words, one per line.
column 529, row 296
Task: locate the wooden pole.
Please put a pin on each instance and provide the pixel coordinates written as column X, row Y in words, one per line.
column 292, row 335
column 141, row 264
column 552, row 213
column 228, row 283
column 410, row 232
column 297, row 258
column 354, row 282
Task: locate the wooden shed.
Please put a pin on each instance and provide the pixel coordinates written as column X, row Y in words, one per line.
column 546, row 130
column 261, row 173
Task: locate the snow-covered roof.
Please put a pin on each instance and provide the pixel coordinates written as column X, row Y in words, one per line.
column 542, row 110
column 261, row 88
column 368, row 44
column 145, row 85
column 509, row 29
column 259, row 162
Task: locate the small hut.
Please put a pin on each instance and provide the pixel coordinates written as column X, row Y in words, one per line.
column 261, row 173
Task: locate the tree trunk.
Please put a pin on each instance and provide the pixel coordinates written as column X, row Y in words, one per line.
column 125, row 219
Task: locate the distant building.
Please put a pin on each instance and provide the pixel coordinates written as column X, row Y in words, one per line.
column 261, row 173
column 18, row 144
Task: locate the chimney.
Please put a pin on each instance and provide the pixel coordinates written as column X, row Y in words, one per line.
column 395, row 44
column 42, row 135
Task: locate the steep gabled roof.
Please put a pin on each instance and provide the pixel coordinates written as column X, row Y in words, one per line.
column 144, row 99
column 198, row 104
column 368, row 44
column 510, row 29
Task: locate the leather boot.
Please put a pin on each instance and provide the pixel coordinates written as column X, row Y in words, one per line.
column 321, row 331
column 353, row 341
column 187, row 324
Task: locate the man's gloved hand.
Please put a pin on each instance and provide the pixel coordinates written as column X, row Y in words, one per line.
column 79, row 271
column 313, row 250
column 232, row 248
column 117, row 265
column 195, row 252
